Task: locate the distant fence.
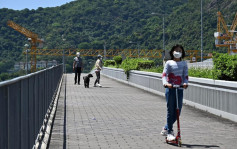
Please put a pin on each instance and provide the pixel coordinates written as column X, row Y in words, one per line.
column 24, row 102
column 215, row 96
column 206, row 64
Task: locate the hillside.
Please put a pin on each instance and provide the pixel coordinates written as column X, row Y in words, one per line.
column 91, row 23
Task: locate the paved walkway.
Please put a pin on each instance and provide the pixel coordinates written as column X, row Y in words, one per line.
column 118, row 116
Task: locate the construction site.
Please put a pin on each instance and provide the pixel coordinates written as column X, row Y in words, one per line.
column 225, row 36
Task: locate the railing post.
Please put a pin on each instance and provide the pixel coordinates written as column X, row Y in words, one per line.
column 14, row 115
column 24, row 114
column 4, row 117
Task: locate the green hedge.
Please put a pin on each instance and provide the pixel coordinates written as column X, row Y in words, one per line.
column 118, row 60
column 202, row 73
column 225, row 66
column 136, row 64
column 109, row 63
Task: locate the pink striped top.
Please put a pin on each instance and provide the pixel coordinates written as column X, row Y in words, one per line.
column 175, row 73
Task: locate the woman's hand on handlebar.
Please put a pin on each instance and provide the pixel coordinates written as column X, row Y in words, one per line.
column 185, row 86
column 168, row 85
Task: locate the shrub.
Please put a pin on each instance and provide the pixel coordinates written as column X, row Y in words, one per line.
column 202, row 73
column 109, row 62
column 136, row 64
column 225, row 66
column 118, row 60
column 145, row 64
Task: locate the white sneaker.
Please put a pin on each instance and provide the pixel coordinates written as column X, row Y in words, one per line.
column 170, row 137
column 164, row 132
column 99, row 85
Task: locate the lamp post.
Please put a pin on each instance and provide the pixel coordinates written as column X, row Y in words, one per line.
column 27, row 50
column 105, row 51
column 64, row 70
column 201, row 34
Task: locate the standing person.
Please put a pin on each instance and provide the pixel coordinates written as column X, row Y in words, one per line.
column 77, row 67
column 98, row 67
column 175, row 73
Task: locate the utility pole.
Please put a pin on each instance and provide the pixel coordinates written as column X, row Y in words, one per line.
column 64, row 70
column 164, row 32
column 105, row 51
column 27, row 46
column 201, row 34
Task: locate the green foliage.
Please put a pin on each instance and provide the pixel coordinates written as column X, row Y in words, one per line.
column 136, row 64
column 192, row 72
column 158, row 69
column 5, row 65
column 225, row 66
column 7, row 76
column 202, row 73
column 118, row 60
column 109, row 63
column 145, row 64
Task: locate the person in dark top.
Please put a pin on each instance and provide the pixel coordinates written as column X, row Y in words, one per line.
column 77, row 68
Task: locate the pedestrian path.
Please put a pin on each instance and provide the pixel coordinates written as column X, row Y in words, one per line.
column 118, row 116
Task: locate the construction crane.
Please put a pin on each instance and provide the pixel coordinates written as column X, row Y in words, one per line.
column 224, row 36
column 32, row 38
column 191, row 55
column 93, row 52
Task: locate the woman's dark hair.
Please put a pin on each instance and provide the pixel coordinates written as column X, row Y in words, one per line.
column 173, row 48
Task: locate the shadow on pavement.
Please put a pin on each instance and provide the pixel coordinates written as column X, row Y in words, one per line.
column 199, row 146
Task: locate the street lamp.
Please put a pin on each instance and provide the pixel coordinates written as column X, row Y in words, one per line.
column 63, row 54
column 105, row 51
column 201, row 33
column 27, row 50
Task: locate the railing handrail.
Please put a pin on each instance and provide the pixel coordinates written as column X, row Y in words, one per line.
column 11, row 81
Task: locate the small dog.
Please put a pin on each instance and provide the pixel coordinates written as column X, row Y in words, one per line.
column 87, row 80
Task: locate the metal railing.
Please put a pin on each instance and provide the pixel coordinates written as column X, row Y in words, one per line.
column 24, row 102
column 206, row 64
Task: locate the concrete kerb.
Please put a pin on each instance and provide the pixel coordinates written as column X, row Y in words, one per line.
column 43, row 137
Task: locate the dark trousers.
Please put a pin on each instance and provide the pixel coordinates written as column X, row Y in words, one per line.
column 77, row 74
column 170, row 95
column 97, row 77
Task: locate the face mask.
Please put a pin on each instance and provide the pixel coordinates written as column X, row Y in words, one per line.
column 78, row 55
column 177, row 54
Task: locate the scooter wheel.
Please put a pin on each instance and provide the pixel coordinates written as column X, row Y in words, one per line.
column 166, row 140
column 179, row 143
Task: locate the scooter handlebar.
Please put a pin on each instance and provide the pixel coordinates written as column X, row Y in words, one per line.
column 175, row 86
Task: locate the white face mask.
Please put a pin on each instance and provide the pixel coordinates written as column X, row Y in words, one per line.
column 78, row 55
column 177, row 54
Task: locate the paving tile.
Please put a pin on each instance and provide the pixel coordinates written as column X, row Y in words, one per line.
column 120, row 116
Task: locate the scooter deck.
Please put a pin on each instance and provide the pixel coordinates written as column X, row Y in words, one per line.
column 177, row 141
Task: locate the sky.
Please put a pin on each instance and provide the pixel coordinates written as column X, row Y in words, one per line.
column 31, row 4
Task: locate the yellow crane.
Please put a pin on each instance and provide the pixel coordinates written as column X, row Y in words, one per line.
column 107, row 53
column 32, row 38
column 224, row 36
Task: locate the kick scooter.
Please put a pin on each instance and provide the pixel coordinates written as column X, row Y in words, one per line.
column 177, row 140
